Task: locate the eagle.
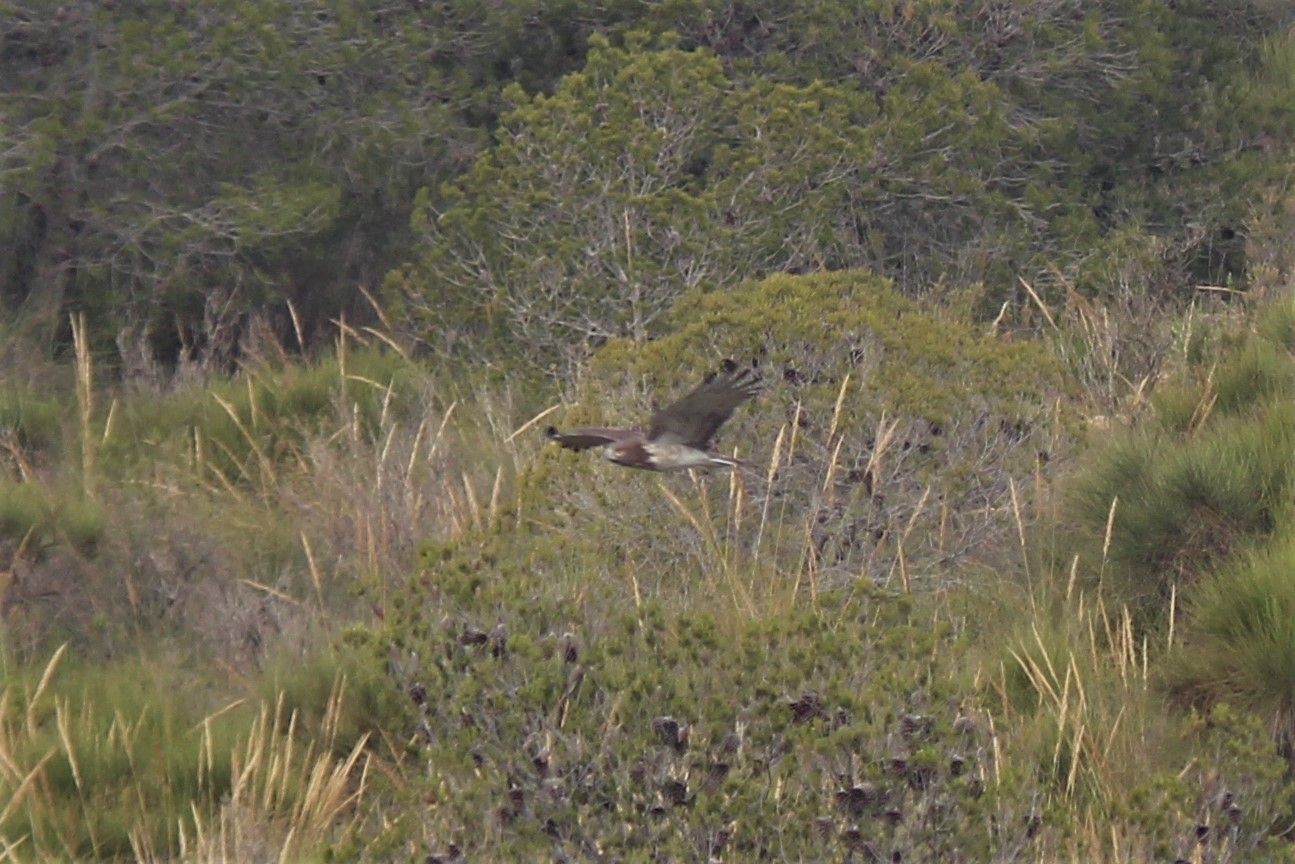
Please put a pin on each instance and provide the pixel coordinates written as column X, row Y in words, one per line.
column 679, row 435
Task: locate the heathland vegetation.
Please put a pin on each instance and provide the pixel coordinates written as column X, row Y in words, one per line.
column 288, row 291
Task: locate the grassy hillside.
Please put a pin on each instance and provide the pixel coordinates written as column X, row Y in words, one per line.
column 869, row 648
column 361, row 612
column 289, row 572
column 181, row 564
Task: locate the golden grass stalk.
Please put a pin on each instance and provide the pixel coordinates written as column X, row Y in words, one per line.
column 46, row 677
column 836, row 410
column 296, row 326
column 252, row 412
column 719, row 558
column 315, row 576
column 1205, row 406
column 829, row 476
column 285, row 792
column 1108, row 535
column 774, row 463
column 493, row 512
column 474, row 509
column 24, row 787
column 273, row 592
column 108, row 423
column 883, row 438
column 388, row 340
column 267, row 467
column 1038, row 301
column 84, row 401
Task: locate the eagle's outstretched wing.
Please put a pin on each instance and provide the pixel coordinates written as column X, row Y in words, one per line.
column 584, row 437
column 694, row 419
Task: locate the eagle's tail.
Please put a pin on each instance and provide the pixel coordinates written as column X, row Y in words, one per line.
column 721, row 461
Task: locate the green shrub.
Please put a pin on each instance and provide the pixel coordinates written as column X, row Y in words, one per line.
column 1238, row 640
column 1276, row 321
column 1233, row 794
column 567, row 716
column 308, row 686
column 81, row 520
column 1260, row 372
column 43, row 516
column 1210, row 474
column 129, row 759
column 244, row 427
column 1181, row 507
column 1236, row 378
column 23, row 508
column 554, row 714
column 34, row 420
column 884, row 422
column 671, row 666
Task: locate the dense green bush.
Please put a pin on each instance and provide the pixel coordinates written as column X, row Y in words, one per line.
column 246, row 426
column 559, row 718
column 132, row 758
column 1209, row 474
column 30, row 419
column 552, row 716
column 636, row 663
column 1183, row 506
column 885, row 431
column 38, row 516
column 652, row 172
column 1238, row 643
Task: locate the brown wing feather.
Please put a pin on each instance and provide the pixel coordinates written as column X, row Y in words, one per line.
column 584, row 437
column 694, row 419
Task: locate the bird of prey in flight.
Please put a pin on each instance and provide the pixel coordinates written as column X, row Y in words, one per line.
column 679, row 435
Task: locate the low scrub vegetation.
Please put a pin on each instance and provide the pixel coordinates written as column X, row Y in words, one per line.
column 104, row 762
column 288, row 571
column 557, row 656
column 1238, row 644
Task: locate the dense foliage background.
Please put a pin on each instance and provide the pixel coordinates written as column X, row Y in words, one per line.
column 287, row 288
column 175, row 172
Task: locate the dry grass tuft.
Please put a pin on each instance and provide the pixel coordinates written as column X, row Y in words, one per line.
column 91, row 772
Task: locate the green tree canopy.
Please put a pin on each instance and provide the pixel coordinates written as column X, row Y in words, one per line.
column 173, row 165
column 652, row 172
